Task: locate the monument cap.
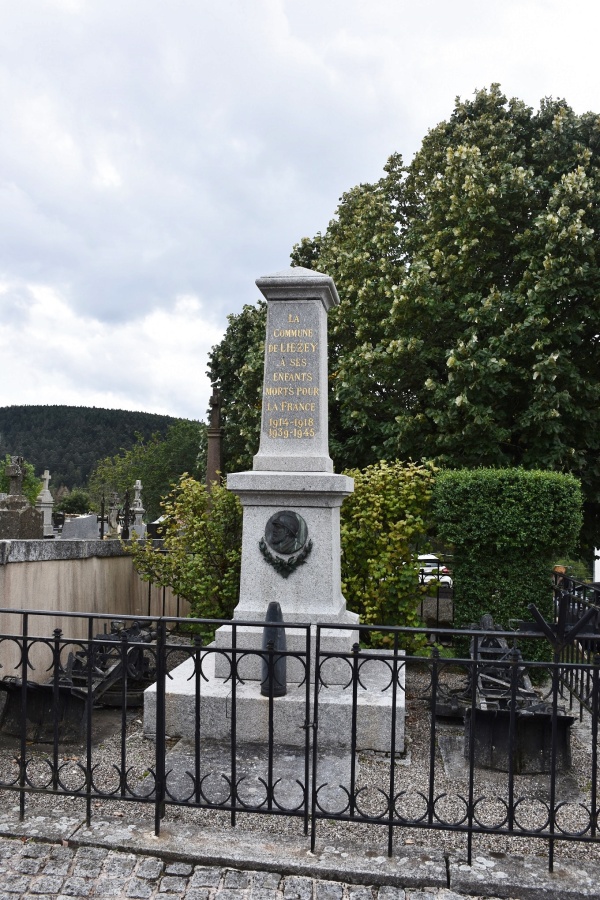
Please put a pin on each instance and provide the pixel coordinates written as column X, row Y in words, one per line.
column 296, row 282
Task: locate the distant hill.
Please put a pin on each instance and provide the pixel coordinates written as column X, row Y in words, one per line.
column 69, row 440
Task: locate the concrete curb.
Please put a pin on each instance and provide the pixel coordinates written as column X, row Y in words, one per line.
column 492, row 875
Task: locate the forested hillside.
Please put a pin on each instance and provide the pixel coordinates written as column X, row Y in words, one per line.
column 69, row 440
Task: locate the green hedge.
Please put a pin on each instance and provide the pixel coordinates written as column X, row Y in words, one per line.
column 508, row 528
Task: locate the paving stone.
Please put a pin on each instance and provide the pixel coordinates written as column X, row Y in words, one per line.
column 298, row 888
column 34, row 851
column 265, row 880
column 197, row 894
column 231, row 894
column 179, row 868
column 47, row 884
column 62, row 853
column 89, row 861
column 15, row 884
column 7, row 848
column 421, row 895
column 108, row 887
column 172, row 884
column 360, row 892
column 447, row 894
column 57, row 866
column 29, row 866
column 265, row 894
column 328, row 890
column 121, row 864
column 151, row 868
column 205, row 877
column 138, row 889
column 78, row 887
column 234, row 878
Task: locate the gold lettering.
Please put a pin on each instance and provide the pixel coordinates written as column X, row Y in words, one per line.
column 292, row 332
column 287, row 406
column 292, row 318
column 284, row 391
column 292, row 347
column 292, row 376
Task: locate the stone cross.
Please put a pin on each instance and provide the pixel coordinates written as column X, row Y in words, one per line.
column 215, row 408
column 15, row 472
column 214, row 434
column 46, row 479
column 138, row 508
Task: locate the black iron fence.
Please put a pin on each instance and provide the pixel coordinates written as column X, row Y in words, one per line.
column 484, row 745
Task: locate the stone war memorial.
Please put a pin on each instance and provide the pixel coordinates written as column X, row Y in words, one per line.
column 291, row 554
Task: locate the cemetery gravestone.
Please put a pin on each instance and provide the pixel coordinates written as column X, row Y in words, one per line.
column 19, row 520
column 81, row 528
column 45, row 504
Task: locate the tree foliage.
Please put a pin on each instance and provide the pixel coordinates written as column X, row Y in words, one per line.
column 31, row 485
column 508, row 528
column 203, row 543
column 469, row 321
column 157, row 463
column 236, row 365
column 77, row 501
column 382, row 525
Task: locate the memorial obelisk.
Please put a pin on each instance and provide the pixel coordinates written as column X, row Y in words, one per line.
column 291, row 498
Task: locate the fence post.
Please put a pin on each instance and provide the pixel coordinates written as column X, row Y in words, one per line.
column 56, row 704
column 160, row 786
column 23, row 724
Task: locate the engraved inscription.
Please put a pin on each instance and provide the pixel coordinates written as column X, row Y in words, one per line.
column 291, row 386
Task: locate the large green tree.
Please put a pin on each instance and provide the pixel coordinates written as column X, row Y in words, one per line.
column 469, row 280
column 158, row 463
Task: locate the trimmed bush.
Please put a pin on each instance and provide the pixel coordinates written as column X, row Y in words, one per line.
column 508, row 528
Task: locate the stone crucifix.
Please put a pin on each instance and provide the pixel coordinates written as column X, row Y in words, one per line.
column 15, row 472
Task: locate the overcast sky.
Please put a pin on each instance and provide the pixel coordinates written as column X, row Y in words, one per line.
column 157, row 157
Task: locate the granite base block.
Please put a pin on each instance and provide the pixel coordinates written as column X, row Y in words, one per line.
column 249, row 665
column 290, row 713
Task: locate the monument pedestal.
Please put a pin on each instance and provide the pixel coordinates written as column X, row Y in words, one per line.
column 373, row 710
column 312, row 591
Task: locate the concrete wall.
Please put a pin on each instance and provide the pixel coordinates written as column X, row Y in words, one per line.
column 70, row 577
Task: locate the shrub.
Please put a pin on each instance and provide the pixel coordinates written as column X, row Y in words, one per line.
column 508, row 527
column 203, row 539
column 77, row 501
column 382, row 525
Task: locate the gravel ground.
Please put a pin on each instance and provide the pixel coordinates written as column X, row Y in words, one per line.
column 411, row 786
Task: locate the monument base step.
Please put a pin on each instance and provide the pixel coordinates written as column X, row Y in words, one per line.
column 249, row 665
column 288, row 775
column 291, row 713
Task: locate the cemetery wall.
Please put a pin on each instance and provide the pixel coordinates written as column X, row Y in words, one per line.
column 73, row 576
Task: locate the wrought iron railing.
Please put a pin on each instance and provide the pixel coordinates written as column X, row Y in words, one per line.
column 491, row 787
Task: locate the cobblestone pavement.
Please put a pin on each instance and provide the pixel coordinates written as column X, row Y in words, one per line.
column 42, row 871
